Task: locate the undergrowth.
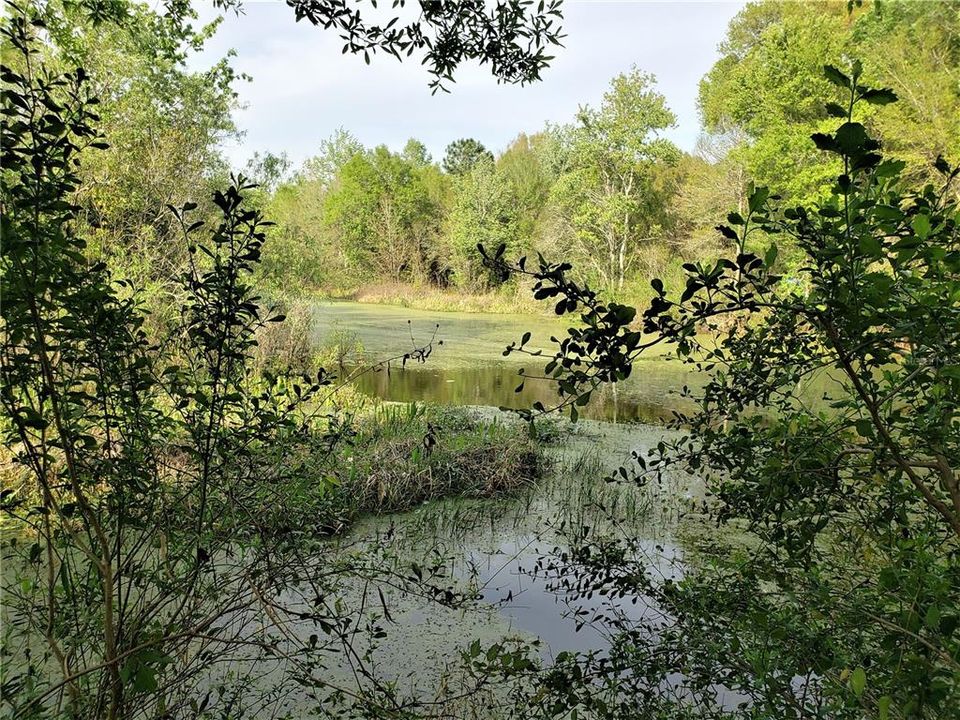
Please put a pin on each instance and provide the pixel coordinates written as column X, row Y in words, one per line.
column 400, row 456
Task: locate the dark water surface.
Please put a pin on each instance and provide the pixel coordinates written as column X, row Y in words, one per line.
column 650, row 398
column 468, row 368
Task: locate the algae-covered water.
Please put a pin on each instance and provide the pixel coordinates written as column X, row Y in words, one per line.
column 494, row 546
column 491, row 548
column 467, row 365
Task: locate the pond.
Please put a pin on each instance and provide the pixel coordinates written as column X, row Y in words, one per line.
column 468, row 368
column 495, row 545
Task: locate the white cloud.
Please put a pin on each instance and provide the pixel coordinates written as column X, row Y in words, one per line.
column 303, row 87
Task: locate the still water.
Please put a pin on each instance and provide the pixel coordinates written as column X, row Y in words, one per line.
column 495, row 545
column 468, row 368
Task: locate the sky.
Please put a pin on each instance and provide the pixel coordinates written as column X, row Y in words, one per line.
column 303, row 88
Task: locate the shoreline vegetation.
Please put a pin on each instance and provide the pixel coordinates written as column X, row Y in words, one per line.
column 186, row 444
column 402, row 455
column 427, row 297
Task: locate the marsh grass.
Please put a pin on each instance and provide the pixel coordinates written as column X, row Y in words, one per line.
column 404, row 455
column 446, row 300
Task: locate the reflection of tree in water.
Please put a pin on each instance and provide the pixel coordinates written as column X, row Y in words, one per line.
column 495, row 385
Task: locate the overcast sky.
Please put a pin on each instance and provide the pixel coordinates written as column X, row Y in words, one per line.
column 303, row 88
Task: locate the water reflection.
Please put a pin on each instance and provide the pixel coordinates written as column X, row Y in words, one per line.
column 535, row 604
column 649, row 398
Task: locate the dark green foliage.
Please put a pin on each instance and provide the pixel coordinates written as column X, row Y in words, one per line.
column 139, row 469
column 168, row 500
column 461, row 155
column 510, row 36
column 844, row 603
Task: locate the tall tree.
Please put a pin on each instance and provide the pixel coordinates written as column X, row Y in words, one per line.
column 483, row 212
column 837, row 595
column 416, row 152
column 769, row 83
column 379, row 208
column 711, row 181
column 164, row 122
column 463, row 154
column 335, row 152
column 525, row 168
column 608, row 199
column 268, row 170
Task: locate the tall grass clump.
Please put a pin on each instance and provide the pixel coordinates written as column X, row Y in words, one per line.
column 402, row 456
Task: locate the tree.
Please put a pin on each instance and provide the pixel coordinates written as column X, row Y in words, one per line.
column 483, row 212
column 163, row 123
column 335, row 152
column 525, row 168
column 710, row 182
column 268, row 170
column 91, row 407
column 606, row 198
column 511, row 37
column 461, row 155
column 842, row 599
column 154, row 482
column 768, row 82
column 415, row 153
column 383, row 212
column 915, row 48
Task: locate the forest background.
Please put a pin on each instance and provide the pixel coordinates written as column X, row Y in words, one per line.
column 605, row 189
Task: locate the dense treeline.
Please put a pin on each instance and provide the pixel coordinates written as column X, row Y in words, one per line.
column 601, row 185
column 162, row 123
column 170, row 482
column 607, row 187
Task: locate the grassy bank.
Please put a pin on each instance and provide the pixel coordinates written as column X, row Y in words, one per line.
column 425, row 297
column 403, row 455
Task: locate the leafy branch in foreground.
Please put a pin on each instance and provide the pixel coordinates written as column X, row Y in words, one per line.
column 142, row 575
column 510, row 35
column 829, row 430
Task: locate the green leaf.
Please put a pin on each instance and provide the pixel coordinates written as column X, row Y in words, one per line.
column 835, row 110
column 889, row 168
column 887, row 212
column 757, row 198
column 728, row 232
column 883, row 96
column 921, row 226
column 951, row 371
column 824, row 142
column 771, row 256
column 851, row 138
column 858, row 681
column 834, row 75
column 145, row 680
column 869, row 245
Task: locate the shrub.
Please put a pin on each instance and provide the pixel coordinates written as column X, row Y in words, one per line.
column 844, row 603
